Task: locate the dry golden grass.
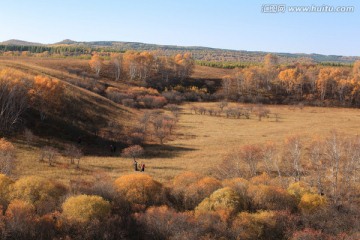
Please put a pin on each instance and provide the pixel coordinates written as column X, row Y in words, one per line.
column 210, row 72
column 201, row 142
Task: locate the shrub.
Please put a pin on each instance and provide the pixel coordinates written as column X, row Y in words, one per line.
column 224, row 199
column 149, row 101
column 143, row 91
column 139, row 189
column 113, row 94
column 128, row 102
column 198, row 191
column 84, row 208
column 44, row 194
column 165, row 223
column 308, row 234
column 260, row 225
column 298, row 189
column 180, row 185
column 173, row 96
column 270, row 198
column 239, row 185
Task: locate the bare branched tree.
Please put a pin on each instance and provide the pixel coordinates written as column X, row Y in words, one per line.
column 335, row 152
column 7, row 156
column 13, row 103
column 292, row 156
column 48, row 154
column 74, row 154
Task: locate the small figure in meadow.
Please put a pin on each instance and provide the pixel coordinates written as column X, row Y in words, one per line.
column 111, row 148
column 136, row 165
column 142, row 166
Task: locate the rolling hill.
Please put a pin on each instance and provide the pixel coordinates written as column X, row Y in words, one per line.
column 198, row 52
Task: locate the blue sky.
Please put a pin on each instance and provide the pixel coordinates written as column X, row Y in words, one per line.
column 230, row 24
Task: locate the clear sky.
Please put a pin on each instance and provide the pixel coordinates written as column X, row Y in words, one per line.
column 230, row 24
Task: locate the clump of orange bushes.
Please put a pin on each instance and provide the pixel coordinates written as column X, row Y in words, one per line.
column 191, row 205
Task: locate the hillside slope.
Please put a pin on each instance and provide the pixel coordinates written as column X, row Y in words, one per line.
column 85, row 113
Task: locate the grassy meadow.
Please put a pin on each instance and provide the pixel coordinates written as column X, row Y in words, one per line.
column 199, row 144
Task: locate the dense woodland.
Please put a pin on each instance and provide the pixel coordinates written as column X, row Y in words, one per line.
column 291, row 189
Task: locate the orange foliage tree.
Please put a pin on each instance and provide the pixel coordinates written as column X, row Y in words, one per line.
column 20, row 216
column 7, row 156
column 13, row 99
column 46, row 95
column 96, row 63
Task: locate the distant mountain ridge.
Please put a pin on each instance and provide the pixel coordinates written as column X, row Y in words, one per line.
column 199, row 53
column 17, row 42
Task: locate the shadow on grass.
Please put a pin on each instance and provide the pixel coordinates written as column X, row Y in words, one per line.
column 57, row 131
column 165, row 151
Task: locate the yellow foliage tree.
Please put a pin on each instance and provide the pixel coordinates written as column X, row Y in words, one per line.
column 298, row 189
column 38, row 191
column 139, row 189
column 311, row 202
column 84, row 208
column 5, row 183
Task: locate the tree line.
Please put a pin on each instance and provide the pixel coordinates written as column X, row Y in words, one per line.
column 152, row 68
column 309, row 83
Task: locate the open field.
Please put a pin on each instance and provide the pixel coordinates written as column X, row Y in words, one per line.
column 200, row 142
